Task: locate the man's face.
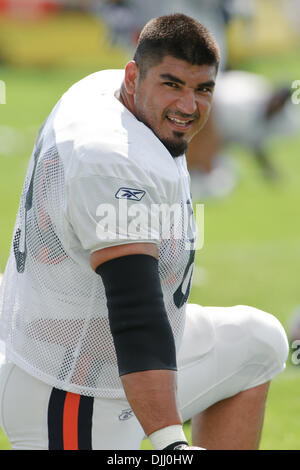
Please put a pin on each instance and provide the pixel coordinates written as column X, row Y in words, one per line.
column 174, row 100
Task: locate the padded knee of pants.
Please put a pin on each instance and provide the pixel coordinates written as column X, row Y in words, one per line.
column 267, row 340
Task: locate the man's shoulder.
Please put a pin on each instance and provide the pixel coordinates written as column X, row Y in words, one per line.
column 88, row 115
column 88, row 102
column 103, row 80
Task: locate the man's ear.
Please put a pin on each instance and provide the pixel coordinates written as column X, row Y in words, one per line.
column 131, row 76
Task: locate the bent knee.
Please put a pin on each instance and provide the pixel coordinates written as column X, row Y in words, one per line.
column 267, row 337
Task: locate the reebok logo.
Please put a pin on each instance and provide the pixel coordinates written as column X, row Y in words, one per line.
column 130, row 193
column 126, row 414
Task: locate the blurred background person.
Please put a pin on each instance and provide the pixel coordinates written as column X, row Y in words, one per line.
column 249, row 111
column 120, row 17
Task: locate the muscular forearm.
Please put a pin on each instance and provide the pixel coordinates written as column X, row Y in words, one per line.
column 152, row 396
column 143, row 338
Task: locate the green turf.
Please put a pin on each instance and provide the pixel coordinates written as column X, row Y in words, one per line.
column 251, row 253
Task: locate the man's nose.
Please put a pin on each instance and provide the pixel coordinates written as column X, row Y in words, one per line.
column 187, row 103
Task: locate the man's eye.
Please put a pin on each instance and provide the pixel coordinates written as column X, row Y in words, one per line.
column 205, row 90
column 171, row 84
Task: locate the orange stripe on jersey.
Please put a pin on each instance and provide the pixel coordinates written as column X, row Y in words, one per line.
column 70, row 421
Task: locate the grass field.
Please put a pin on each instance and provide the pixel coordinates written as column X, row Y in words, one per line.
column 251, row 253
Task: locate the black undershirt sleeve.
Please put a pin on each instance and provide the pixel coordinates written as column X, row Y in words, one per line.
column 138, row 320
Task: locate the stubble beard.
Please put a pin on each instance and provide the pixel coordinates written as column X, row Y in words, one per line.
column 176, row 147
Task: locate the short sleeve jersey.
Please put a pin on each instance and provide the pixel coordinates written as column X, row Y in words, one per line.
column 97, row 177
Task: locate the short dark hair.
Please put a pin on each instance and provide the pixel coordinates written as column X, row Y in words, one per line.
column 179, row 36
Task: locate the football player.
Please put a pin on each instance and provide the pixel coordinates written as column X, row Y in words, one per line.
column 101, row 346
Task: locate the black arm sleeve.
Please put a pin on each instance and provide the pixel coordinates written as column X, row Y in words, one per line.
column 142, row 334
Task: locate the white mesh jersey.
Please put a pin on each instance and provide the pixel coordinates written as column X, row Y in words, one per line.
column 96, row 177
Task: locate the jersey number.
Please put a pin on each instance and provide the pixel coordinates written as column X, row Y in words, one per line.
column 182, row 293
column 19, row 242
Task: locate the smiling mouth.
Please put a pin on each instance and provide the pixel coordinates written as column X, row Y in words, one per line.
column 178, row 123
